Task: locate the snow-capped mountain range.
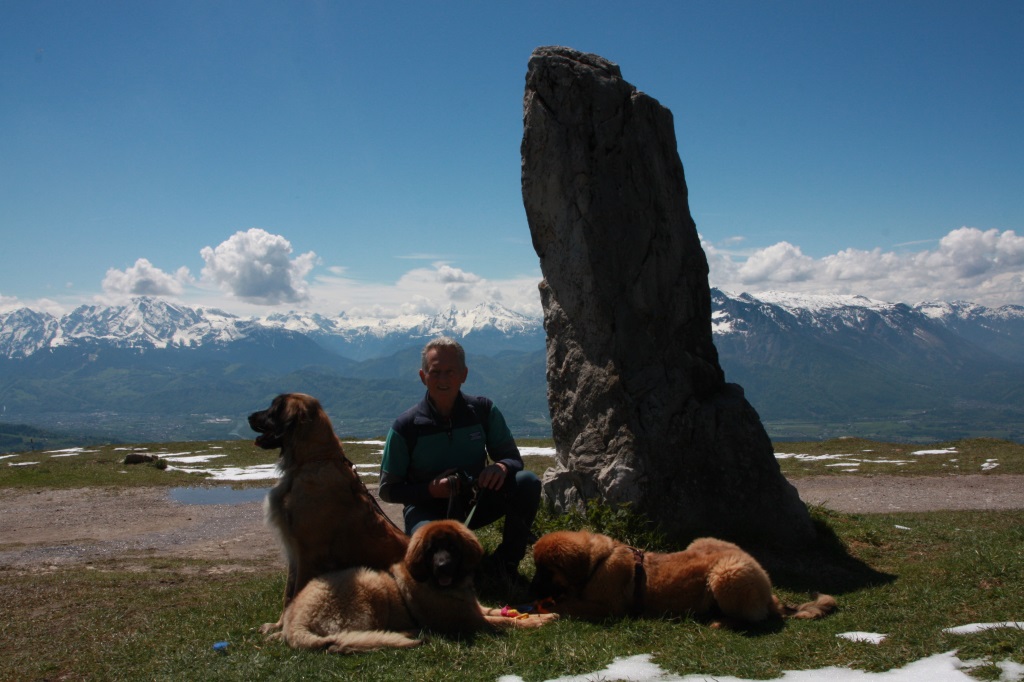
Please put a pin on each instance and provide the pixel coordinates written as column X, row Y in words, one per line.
column 812, row 366
column 835, row 320
column 152, row 323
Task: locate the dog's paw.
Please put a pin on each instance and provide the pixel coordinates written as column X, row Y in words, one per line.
column 270, row 628
column 535, row 620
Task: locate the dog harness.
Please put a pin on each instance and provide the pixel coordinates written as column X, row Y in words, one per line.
column 639, row 583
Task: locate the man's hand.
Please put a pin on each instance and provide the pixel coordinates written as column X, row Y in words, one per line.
column 493, row 476
column 442, row 485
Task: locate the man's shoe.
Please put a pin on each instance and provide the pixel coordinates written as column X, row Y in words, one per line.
column 498, row 576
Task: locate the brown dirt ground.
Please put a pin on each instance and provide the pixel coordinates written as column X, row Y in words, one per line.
column 47, row 529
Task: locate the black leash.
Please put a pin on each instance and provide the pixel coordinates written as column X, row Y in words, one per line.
column 455, row 483
column 376, row 504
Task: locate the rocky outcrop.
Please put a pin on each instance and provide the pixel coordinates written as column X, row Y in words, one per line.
column 640, row 409
column 139, row 458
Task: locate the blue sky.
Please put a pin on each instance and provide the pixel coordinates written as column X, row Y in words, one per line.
column 330, row 156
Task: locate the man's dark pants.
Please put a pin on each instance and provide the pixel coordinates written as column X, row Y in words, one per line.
column 518, row 501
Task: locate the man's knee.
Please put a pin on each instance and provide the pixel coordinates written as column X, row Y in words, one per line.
column 528, row 484
column 418, row 515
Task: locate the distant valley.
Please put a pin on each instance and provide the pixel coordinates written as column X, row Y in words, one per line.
column 813, row 366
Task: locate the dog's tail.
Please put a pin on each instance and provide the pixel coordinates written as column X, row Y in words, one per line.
column 822, row 606
column 352, row 641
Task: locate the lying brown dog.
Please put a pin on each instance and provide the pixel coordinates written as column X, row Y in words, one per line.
column 592, row 576
column 362, row 609
column 323, row 515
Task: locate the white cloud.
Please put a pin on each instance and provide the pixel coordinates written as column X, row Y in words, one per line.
column 458, row 284
column 969, row 264
column 780, row 262
column 9, row 302
column 257, row 267
column 46, row 305
column 973, row 252
column 144, row 279
column 423, row 290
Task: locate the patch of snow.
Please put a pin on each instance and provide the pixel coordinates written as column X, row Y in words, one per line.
column 722, row 323
column 20, row 464
column 989, row 464
column 1012, row 671
column 945, row 667
column 191, row 459
column 979, row 627
column 367, row 469
column 544, row 452
column 259, row 472
column 810, row 458
column 869, row 637
column 795, row 303
column 944, row 451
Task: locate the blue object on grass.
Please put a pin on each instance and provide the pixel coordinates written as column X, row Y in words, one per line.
column 222, row 647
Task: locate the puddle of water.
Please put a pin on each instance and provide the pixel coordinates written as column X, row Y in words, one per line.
column 217, row 495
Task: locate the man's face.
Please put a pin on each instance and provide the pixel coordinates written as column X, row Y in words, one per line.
column 444, row 375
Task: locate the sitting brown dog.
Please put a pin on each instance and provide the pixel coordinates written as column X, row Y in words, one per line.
column 362, row 609
column 323, row 515
column 592, row 576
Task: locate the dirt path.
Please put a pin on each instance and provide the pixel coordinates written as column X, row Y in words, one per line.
column 43, row 530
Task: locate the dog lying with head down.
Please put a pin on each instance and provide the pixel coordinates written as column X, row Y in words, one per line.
column 323, row 515
column 362, row 609
column 592, row 576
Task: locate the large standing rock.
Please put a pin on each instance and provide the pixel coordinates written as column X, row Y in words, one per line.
column 640, row 409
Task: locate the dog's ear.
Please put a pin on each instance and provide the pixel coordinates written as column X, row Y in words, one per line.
column 304, row 412
column 568, row 555
column 595, row 550
column 295, row 410
column 465, row 540
column 418, row 560
column 280, row 410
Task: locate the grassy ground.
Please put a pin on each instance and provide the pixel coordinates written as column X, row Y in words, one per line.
column 841, row 455
column 101, row 465
column 904, row 575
